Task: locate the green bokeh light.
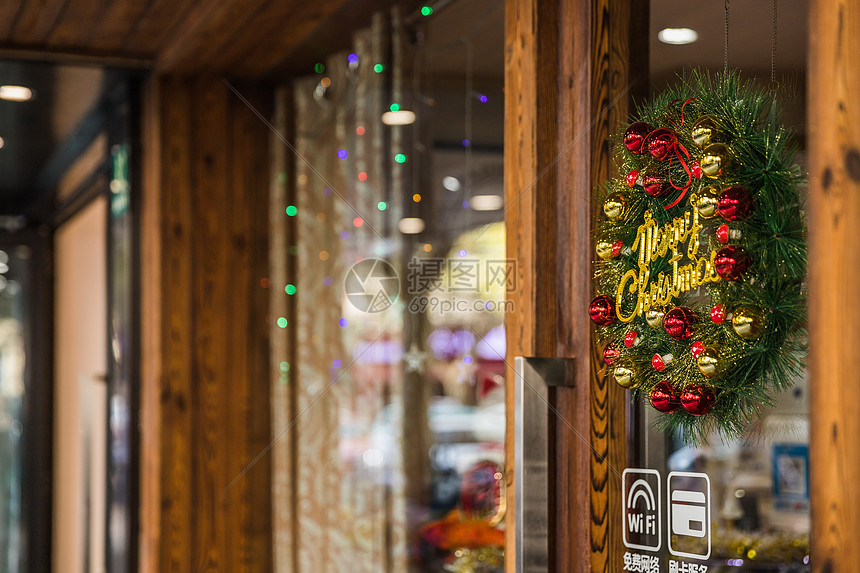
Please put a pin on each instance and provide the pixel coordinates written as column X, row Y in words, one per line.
column 400, row 158
column 294, row 250
column 282, row 177
column 285, row 366
column 290, row 289
column 382, row 205
column 395, row 107
column 291, row 210
column 282, row 322
column 319, row 68
column 378, row 68
column 426, row 11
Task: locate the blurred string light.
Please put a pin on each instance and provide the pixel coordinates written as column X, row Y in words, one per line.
column 319, row 68
column 417, row 197
column 482, row 98
column 400, row 158
column 352, row 58
column 362, row 176
column 342, row 153
column 378, row 68
column 359, row 130
column 358, row 222
column 382, row 205
column 290, row 289
column 282, row 322
column 426, row 10
column 325, row 82
column 292, row 210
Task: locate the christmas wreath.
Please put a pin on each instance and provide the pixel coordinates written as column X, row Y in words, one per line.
column 701, row 256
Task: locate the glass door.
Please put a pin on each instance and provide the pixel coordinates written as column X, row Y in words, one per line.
column 389, row 337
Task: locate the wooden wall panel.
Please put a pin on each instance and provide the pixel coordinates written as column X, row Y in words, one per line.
column 206, row 377
column 556, row 150
column 834, row 281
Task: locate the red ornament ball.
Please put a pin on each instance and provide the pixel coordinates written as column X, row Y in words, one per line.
column 723, row 234
column 731, row 262
column 617, row 247
column 696, row 169
column 634, row 137
column 661, row 143
column 718, row 314
column 679, row 322
column 659, row 362
column 611, row 354
column 632, row 178
column 654, row 185
column 602, row 310
column 631, row 339
column 698, row 399
column 697, row 348
column 735, row 203
column 664, row 399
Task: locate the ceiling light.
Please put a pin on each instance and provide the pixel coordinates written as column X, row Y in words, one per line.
column 677, row 36
column 399, row 117
column 410, row 225
column 451, row 183
column 15, row 93
column 486, row 202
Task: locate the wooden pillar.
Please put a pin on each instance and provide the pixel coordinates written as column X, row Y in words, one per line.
column 567, row 87
column 205, row 372
column 834, row 282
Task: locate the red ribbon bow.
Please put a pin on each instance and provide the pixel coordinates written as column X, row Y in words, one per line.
column 679, row 148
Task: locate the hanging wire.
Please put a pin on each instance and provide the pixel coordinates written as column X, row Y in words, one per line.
column 726, row 56
column 774, row 85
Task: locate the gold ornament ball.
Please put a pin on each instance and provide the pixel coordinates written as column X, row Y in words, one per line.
column 604, row 249
column 615, row 205
column 654, row 317
column 625, row 375
column 705, row 131
column 715, row 158
column 748, row 321
column 709, row 363
column 707, row 202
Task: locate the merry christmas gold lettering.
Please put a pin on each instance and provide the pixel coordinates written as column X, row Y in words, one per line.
column 676, row 239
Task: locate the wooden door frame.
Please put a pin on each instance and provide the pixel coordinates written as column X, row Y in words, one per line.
column 570, row 76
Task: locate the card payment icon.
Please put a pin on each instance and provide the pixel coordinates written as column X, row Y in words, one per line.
column 689, row 514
